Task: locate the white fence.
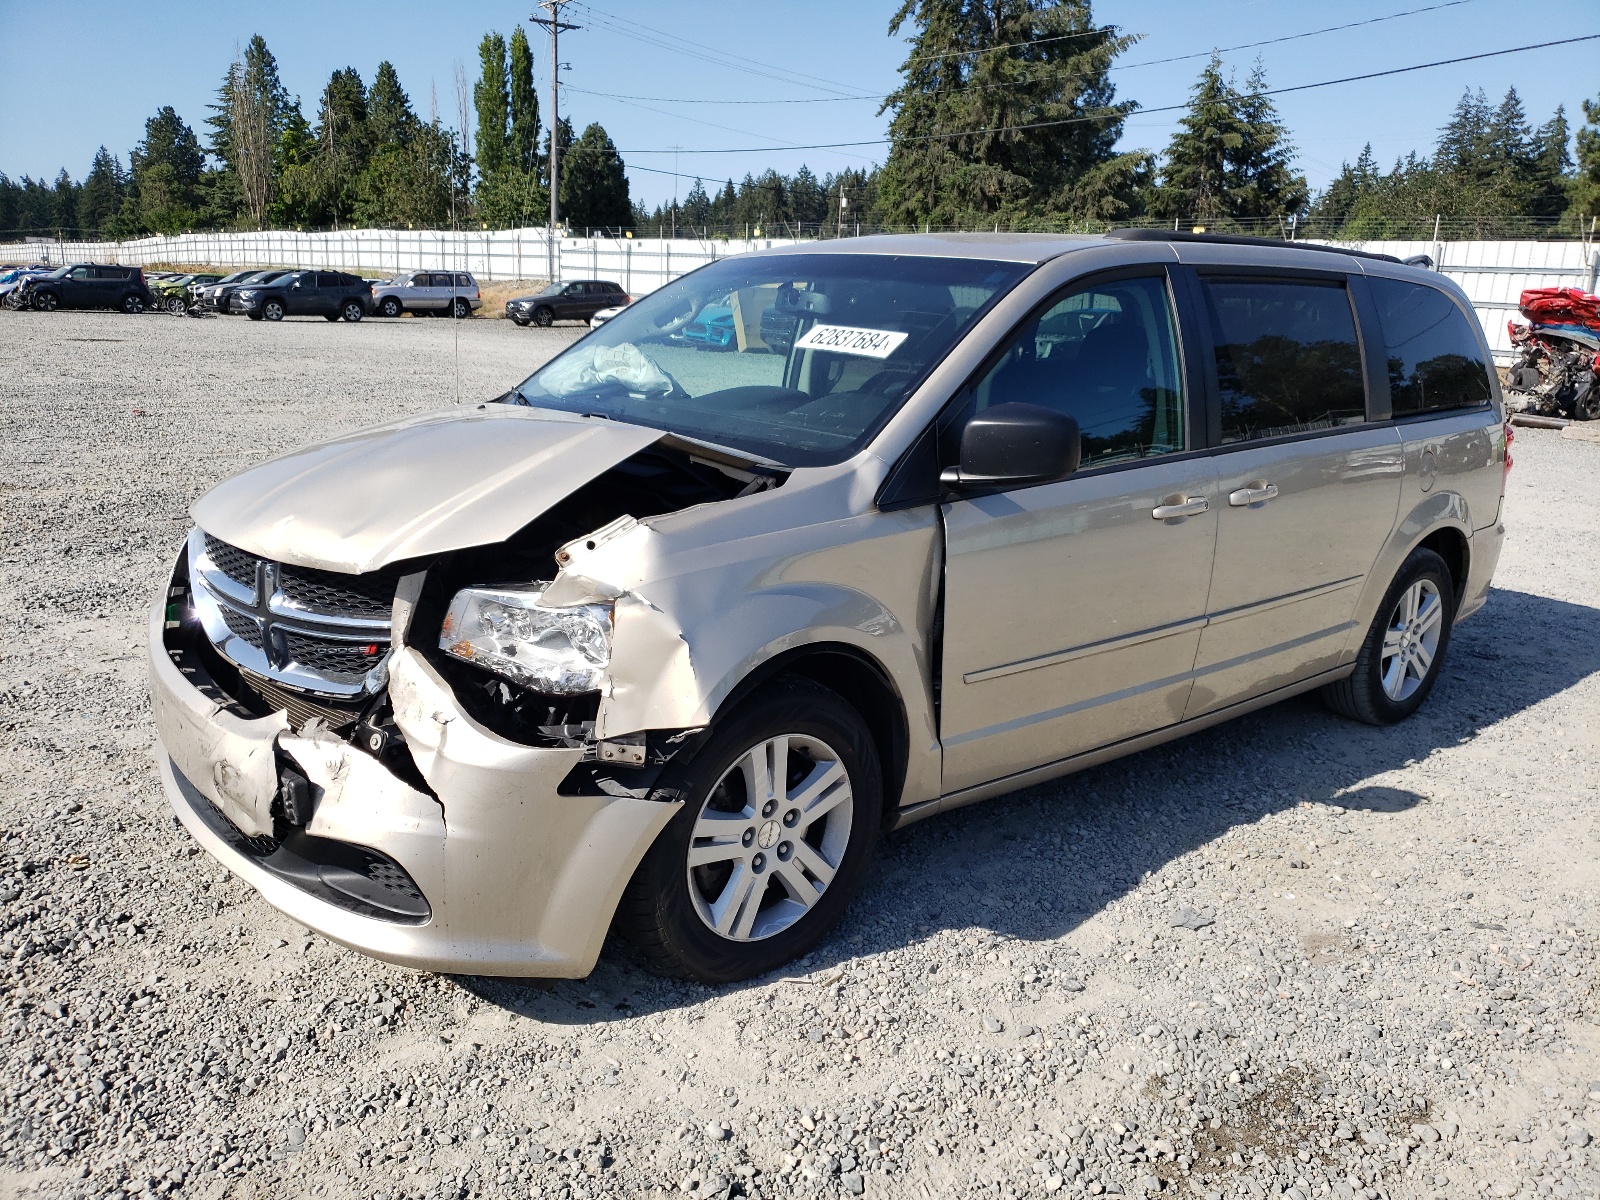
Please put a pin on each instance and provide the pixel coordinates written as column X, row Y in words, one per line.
column 640, row 265
column 1492, row 273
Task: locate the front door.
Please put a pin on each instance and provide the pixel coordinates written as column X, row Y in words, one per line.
column 1073, row 609
column 1309, row 488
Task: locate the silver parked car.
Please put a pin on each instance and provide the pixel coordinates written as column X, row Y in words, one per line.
column 661, row 640
column 438, row 293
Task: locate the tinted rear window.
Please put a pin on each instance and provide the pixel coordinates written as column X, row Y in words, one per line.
column 1431, row 348
column 1287, row 357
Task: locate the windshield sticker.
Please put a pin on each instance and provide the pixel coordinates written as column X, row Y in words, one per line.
column 841, row 339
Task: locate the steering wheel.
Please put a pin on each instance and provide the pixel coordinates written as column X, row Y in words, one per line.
column 671, row 324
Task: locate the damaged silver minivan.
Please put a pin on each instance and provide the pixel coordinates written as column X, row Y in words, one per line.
column 663, row 637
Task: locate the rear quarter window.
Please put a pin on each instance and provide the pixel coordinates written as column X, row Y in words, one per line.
column 1433, row 356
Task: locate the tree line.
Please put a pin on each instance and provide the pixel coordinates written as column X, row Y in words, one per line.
column 1006, row 117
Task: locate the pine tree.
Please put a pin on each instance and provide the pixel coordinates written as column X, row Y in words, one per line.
column 1585, row 185
column 1550, row 169
column 1004, row 108
column 390, row 121
column 594, row 187
column 102, row 193
column 1195, row 175
column 1230, row 159
column 524, row 147
column 1463, row 143
column 166, row 168
column 491, row 101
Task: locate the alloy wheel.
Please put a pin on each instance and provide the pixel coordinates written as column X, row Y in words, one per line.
column 352, row 312
column 1411, row 639
column 391, row 307
column 770, row 837
column 544, row 318
column 273, row 311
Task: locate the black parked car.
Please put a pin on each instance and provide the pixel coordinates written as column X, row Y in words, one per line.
column 327, row 294
column 91, row 285
column 220, row 294
column 577, row 300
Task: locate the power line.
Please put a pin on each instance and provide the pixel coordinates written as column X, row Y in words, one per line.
column 711, row 55
column 1121, row 114
column 1153, row 62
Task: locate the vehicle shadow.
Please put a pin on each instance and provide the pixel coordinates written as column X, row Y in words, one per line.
column 1036, row 863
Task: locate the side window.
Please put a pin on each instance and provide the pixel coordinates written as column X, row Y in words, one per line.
column 463, row 280
column 327, row 279
column 441, row 280
column 1107, row 355
column 1287, row 357
column 81, row 273
column 1433, row 356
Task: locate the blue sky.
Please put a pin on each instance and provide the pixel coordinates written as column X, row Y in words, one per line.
column 74, row 75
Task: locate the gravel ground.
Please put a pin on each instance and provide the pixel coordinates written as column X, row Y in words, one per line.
column 1289, row 956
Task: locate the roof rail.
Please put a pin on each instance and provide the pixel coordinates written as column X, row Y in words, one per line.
column 1234, row 239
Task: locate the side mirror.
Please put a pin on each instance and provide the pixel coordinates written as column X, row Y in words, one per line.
column 1012, row 445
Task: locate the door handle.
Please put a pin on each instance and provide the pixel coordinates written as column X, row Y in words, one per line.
column 1255, row 494
column 1183, row 508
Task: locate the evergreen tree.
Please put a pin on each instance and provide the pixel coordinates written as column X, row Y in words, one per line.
column 9, row 193
column 251, row 89
column 1550, row 170
column 1004, row 108
column 594, row 187
column 492, row 102
column 1585, row 185
column 166, row 168
column 390, row 121
column 66, row 205
column 697, row 212
column 1463, row 144
column 343, row 144
column 102, row 194
column 524, row 144
column 1230, row 159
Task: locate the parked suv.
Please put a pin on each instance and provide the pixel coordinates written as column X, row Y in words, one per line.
column 218, row 297
column 578, row 300
column 331, row 295
column 661, row 640
column 90, row 285
column 438, row 293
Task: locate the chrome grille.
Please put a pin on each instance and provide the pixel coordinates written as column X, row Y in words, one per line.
column 315, row 631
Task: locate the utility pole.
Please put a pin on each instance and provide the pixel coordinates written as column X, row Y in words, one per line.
column 555, row 25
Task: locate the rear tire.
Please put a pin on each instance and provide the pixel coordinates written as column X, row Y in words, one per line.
column 353, row 311
column 738, row 884
column 390, row 307
column 1402, row 655
column 132, row 304
column 462, row 309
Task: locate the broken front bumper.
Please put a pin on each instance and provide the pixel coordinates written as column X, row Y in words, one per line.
column 493, row 873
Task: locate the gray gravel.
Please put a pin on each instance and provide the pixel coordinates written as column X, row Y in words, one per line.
column 1290, row 956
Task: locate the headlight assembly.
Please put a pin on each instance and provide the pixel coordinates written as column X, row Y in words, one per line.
column 559, row 651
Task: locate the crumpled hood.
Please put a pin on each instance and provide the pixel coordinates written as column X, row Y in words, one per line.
column 422, row 485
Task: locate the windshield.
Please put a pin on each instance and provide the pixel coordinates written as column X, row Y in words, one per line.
column 553, row 289
column 797, row 358
column 59, row 273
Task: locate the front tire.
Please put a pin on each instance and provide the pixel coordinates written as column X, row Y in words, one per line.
column 132, row 305
column 390, row 307
column 272, row 310
column 544, row 318
column 781, row 812
column 46, row 302
column 176, row 306
column 1403, row 653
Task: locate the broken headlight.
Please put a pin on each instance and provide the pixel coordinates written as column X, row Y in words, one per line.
column 558, row 651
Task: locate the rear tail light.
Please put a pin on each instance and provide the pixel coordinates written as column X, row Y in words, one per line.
column 627, row 300
column 1511, row 436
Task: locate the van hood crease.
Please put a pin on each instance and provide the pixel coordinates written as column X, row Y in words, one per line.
column 424, row 485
